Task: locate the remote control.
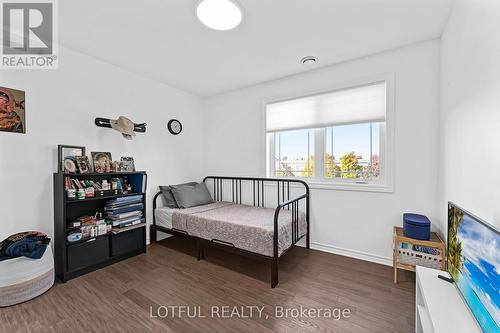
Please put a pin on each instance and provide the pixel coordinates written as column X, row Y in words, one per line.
column 448, row 279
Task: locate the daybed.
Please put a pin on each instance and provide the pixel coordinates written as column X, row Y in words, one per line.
column 242, row 222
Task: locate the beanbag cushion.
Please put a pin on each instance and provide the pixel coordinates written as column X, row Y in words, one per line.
column 22, row 278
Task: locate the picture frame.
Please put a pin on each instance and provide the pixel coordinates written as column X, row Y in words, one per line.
column 68, row 152
column 127, row 164
column 101, row 162
column 115, row 166
column 12, row 110
column 70, row 165
column 83, row 164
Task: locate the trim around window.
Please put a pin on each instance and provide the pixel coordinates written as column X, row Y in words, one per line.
column 385, row 183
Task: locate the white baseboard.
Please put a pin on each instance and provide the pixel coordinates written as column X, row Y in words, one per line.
column 352, row 253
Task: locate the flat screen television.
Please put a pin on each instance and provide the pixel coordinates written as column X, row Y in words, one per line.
column 474, row 264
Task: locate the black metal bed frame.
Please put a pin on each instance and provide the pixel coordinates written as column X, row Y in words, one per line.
column 258, row 190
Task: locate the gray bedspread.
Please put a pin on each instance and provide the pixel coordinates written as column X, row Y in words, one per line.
column 247, row 227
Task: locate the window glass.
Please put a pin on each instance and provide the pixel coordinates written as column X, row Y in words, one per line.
column 352, row 151
column 294, row 153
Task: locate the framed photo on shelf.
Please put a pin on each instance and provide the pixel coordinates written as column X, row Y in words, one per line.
column 83, row 164
column 102, row 161
column 115, row 166
column 127, row 164
column 66, row 157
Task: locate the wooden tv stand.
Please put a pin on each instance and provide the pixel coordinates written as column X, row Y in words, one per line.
column 439, row 305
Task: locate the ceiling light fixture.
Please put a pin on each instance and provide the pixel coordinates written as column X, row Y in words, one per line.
column 219, row 14
column 308, row 61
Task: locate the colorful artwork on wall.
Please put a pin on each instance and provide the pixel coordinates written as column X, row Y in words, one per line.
column 12, row 110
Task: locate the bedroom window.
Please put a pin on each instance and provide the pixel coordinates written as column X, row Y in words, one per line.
column 337, row 139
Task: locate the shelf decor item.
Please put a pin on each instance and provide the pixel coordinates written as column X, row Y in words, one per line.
column 127, row 164
column 71, row 153
column 410, row 252
column 101, row 161
column 83, row 164
column 70, row 165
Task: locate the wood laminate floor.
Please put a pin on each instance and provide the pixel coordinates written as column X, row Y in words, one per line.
column 122, row 297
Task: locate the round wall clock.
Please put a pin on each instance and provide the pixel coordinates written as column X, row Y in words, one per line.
column 174, row 126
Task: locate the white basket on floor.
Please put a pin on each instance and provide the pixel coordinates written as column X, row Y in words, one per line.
column 411, row 257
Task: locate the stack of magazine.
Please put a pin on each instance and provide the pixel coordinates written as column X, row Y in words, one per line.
column 124, row 212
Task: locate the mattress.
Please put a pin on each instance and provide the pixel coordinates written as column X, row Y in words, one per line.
column 246, row 227
column 22, row 279
column 163, row 216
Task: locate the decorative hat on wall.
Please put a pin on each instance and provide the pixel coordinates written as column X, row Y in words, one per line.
column 123, row 125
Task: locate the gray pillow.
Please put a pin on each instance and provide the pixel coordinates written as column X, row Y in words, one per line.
column 190, row 196
column 169, row 198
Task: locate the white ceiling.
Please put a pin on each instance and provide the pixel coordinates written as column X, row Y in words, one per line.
column 163, row 40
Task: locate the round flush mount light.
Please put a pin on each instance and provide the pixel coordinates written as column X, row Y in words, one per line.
column 219, row 14
column 309, row 60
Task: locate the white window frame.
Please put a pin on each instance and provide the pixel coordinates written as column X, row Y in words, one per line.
column 385, row 183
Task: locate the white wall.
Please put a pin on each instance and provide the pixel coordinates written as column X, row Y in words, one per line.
column 470, row 109
column 61, row 106
column 354, row 223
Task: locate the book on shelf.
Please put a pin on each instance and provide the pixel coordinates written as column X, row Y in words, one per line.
column 113, row 203
column 129, row 224
column 129, row 198
column 126, row 221
column 119, row 230
column 124, row 201
column 122, row 205
column 125, row 209
column 124, row 215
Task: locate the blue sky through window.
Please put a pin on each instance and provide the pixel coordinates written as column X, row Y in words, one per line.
column 294, row 144
column 346, row 138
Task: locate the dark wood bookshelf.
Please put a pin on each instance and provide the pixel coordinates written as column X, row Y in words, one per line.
column 73, row 259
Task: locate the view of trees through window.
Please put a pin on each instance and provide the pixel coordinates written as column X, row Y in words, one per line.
column 353, row 151
column 350, row 152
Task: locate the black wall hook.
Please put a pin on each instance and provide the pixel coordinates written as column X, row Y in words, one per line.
column 104, row 122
